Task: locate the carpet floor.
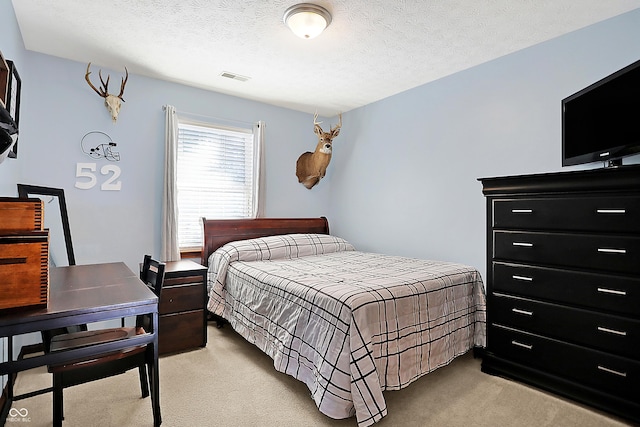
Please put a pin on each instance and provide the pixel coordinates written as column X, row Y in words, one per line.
column 230, row 383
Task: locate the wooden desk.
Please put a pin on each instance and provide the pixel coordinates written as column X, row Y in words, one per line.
column 85, row 294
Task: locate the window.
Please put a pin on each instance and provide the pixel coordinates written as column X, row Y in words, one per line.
column 215, row 177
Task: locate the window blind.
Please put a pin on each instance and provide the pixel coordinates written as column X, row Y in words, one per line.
column 216, row 178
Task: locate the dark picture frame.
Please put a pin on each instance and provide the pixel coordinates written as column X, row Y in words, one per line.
column 35, row 191
column 14, row 87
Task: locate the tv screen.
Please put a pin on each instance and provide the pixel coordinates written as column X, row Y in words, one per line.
column 602, row 121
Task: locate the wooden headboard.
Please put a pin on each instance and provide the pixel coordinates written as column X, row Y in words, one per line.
column 218, row 232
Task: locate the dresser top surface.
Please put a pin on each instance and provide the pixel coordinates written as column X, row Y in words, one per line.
column 182, row 266
column 604, row 179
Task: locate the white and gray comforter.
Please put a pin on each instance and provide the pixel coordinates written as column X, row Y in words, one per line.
column 349, row 324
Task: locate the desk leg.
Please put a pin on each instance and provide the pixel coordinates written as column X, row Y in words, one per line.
column 155, row 377
column 10, row 377
column 4, row 411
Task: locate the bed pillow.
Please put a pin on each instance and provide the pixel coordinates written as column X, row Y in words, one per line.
column 283, row 246
column 272, row 247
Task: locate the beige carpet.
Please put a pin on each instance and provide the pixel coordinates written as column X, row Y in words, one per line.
column 230, row 383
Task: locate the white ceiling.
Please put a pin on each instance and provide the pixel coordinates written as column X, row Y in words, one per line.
column 371, row 50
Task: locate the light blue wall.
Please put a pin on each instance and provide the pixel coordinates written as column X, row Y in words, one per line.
column 405, row 169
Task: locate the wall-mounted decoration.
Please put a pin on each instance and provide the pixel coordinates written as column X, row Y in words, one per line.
column 8, row 134
column 14, row 85
column 87, row 179
column 99, row 145
column 7, row 141
column 4, row 80
column 9, row 102
column 112, row 102
column 311, row 167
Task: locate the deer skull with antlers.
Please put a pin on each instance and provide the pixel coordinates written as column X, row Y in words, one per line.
column 311, row 167
column 112, row 102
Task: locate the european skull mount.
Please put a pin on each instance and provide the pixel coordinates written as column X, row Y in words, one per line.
column 112, row 102
column 311, row 167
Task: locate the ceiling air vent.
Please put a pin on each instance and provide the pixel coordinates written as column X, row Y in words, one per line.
column 234, row 76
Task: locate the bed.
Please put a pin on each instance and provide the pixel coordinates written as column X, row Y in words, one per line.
column 348, row 324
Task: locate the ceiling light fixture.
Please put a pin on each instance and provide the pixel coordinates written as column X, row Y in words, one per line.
column 307, row 20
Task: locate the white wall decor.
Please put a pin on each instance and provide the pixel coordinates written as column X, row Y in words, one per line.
column 86, row 177
column 99, row 145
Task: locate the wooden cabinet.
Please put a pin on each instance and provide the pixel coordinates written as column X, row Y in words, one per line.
column 24, row 254
column 182, row 308
column 563, row 284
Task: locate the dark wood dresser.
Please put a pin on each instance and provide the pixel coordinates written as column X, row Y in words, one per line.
column 183, row 315
column 563, row 284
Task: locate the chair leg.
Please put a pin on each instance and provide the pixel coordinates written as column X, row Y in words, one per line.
column 144, row 380
column 58, row 414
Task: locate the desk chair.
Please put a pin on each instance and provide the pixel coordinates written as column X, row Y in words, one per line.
column 114, row 363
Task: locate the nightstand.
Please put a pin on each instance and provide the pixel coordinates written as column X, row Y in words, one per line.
column 182, row 308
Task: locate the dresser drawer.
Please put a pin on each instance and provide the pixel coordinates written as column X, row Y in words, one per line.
column 603, row 214
column 615, row 294
column 181, row 331
column 589, row 251
column 181, row 298
column 182, row 280
column 618, row 335
column 616, row 375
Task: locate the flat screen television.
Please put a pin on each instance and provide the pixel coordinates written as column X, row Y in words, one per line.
column 601, row 123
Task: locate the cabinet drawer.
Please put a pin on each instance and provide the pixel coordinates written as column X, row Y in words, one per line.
column 24, row 270
column 616, row 375
column 182, row 331
column 606, row 214
column 182, row 280
column 615, row 294
column 590, row 251
column 182, row 298
column 615, row 334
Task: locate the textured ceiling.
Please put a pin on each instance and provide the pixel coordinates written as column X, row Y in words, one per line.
column 371, row 50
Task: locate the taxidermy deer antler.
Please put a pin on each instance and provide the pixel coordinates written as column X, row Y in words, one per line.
column 311, row 167
column 112, row 102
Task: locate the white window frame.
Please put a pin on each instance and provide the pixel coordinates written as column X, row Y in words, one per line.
column 227, row 190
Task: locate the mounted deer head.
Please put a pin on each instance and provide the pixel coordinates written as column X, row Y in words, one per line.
column 112, row 102
column 311, row 167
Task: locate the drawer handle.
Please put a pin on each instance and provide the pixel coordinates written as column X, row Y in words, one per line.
column 612, row 371
column 523, row 244
column 612, row 251
column 611, row 211
column 522, row 211
column 523, row 278
column 527, row 346
column 612, row 291
column 525, row 312
column 612, row 331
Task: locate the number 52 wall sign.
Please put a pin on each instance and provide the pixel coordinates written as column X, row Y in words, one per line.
column 86, row 177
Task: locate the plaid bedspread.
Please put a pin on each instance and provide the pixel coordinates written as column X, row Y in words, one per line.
column 349, row 324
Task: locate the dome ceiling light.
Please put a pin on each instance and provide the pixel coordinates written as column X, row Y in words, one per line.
column 307, row 20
